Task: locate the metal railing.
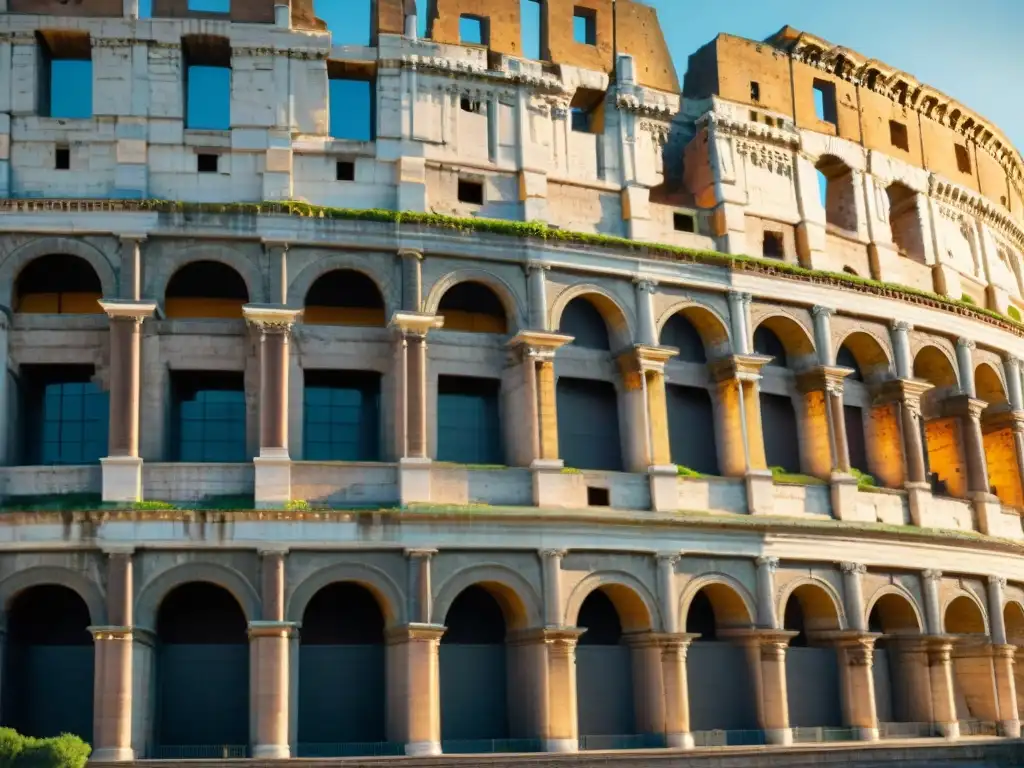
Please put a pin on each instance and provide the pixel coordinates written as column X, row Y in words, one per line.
column 350, row 749
column 199, row 751
column 490, row 746
column 978, row 728
column 906, row 730
column 823, row 735
column 738, row 738
column 622, row 741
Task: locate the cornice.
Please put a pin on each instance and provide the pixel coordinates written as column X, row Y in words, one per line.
column 970, row 202
column 747, row 129
column 453, row 67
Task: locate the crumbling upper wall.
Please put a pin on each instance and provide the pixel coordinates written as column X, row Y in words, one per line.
column 639, row 34
column 64, row 8
column 250, row 11
column 501, row 18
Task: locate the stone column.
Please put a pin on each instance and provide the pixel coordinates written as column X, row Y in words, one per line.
column 538, row 292
column 131, row 254
column 283, row 13
column 965, row 365
column 122, row 468
column 1011, row 370
column 767, row 617
column 823, row 334
column 551, row 567
column 853, row 594
column 536, row 350
column 643, row 376
column 414, row 689
column 112, row 686
column 648, row 681
column 563, row 721
column 674, row 647
column 1003, row 660
column 996, row 619
column 421, row 596
column 273, row 465
column 930, row 581
column 940, row 674
column 647, row 332
column 856, row 658
column 5, row 405
column 901, row 349
column 270, row 662
column 766, row 655
column 130, row 10
column 739, row 323
column 277, row 259
column 666, row 590
column 824, row 447
column 412, row 279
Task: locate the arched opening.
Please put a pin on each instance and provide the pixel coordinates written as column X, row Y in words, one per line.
column 582, row 320
column 48, row 664
column 812, row 665
column 58, row 284
column 855, row 398
column 474, row 672
column 778, row 417
column 344, row 297
column 972, row 671
column 896, row 668
column 718, row 673
column 945, row 464
column 838, row 193
column 206, row 289
column 605, row 692
column 998, row 439
column 202, row 674
column 342, row 674
column 964, row 617
column 473, row 307
column 691, row 419
column 905, row 222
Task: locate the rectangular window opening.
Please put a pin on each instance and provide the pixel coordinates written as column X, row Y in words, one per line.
column 825, row 101
column 898, row 135
column 353, row 111
column 345, row 170
column 350, row 22
column 584, row 25
column 755, row 91
column 341, row 419
column 754, row 117
column 684, row 222
column 63, row 159
column 65, row 414
column 963, row 158
column 474, row 30
column 531, row 13
column 210, row 6
column 65, row 74
column 207, row 71
column 208, row 416
column 773, row 246
column 207, row 162
column 598, row 497
column 471, row 191
column 468, row 420
column 587, row 111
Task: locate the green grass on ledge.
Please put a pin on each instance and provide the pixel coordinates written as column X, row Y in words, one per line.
column 782, row 477
column 541, row 231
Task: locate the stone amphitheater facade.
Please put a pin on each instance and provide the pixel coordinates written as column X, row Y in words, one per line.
column 575, row 409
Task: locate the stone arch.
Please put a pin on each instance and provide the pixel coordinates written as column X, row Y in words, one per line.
column 170, row 263
column 388, row 594
column 795, row 337
column 147, row 604
column 963, row 614
column 989, row 384
column 873, row 356
column 515, row 311
column 45, row 575
column 19, row 258
column 898, row 610
column 519, row 600
column 733, row 604
column 840, row 193
column 299, row 286
column 712, row 327
column 822, row 606
column 636, row 606
column 1013, row 618
column 618, row 320
column 934, row 365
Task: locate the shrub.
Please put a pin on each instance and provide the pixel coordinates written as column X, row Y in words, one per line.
column 687, row 472
column 782, row 477
column 864, row 480
column 297, row 505
column 967, row 300
column 64, row 751
column 1013, row 313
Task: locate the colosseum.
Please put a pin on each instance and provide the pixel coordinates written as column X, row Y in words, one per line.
column 529, row 400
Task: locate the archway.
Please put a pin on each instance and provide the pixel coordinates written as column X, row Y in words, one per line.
column 58, row 284
column 812, row 665
column 838, row 193
column 342, row 689
column 717, row 670
column 691, row 418
column 205, row 289
column 896, row 662
column 202, row 674
column 998, row 439
column 473, row 307
column 344, row 297
column 905, row 222
column 973, row 681
column 778, row 416
column 944, row 460
column 48, row 664
column 864, row 355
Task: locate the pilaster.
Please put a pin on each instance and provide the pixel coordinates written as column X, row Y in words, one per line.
column 675, row 684
column 905, row 396
column 277, row 259
column 269, row 643
column 131, row 267
column 414, row 690
column 113, row 647
column 412, row 279
column 766, row 654
column 551, row 567
column 855, row 652
column 643, row 376
column 421, row 595
column 853, row 595
column 533, row 353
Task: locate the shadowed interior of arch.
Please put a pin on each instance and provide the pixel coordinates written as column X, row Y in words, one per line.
column 202, row 672
column 812, row 665
column 853, row 413
column 344, row 297
column 58, row 284
column 998, row 438
column 905, row 222
column 893, row 617
column 989, row 386
column 48, row 664
column 838, row 193
column 785, row 342
column 205, row 289
column 1013, row 617
column 473, row 307
column 964, row 617
column 689, row 407
column 944, row 463
column 931, row 365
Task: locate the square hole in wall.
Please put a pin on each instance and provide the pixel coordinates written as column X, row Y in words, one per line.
column 898, row 135
column 754, row 116
column 207, row 162
column 471, row 191
column 470, row 105
column 62, row 161
column 474, row 30
column 584, row 25
column 684, row 222
column 773, row 246
column 598, row 497
column 755, row 90
column 345, row 170
column 825, row 107
column 963, row 158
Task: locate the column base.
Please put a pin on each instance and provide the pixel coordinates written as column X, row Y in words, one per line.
column 554, row 487
column 867, row 734
column 1010, row 728
column 122, row 479
column 562, row 746
column 779, row 737
column 271, row 752
column 414, row 481
column 948, row 731
column 760, row 492
column 273, row 480
column 423, row 749
column 679, row 740
column 113, row 755
column 664, row 488
column 844, row 499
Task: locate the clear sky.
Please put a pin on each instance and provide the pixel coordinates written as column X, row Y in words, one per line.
column 972, row 50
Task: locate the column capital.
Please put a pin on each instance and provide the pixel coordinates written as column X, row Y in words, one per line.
column 536, row 266
column 1012, row 360
column 557, row 553
column 823, row 378
column 669, row 557
column 111, row 633
column 410, row 253
column 413, row 553
column 539, row 344
column 285, row 629
column 132, row 237
column 269, row 244
column 129, row 310
column 931, row 574
column 415, row 323
column 740, row 296
column 997, row 581
column 820, row 311
column 965, row 343
column 645, row 285
column 859, row 568
column 272, row 551
column 412, row 633
column 767, row 561
column 902, row 325
column 738, row 367
column 118, row 550
column 271, row 319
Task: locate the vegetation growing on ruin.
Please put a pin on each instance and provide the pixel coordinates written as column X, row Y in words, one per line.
column 64, row 751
